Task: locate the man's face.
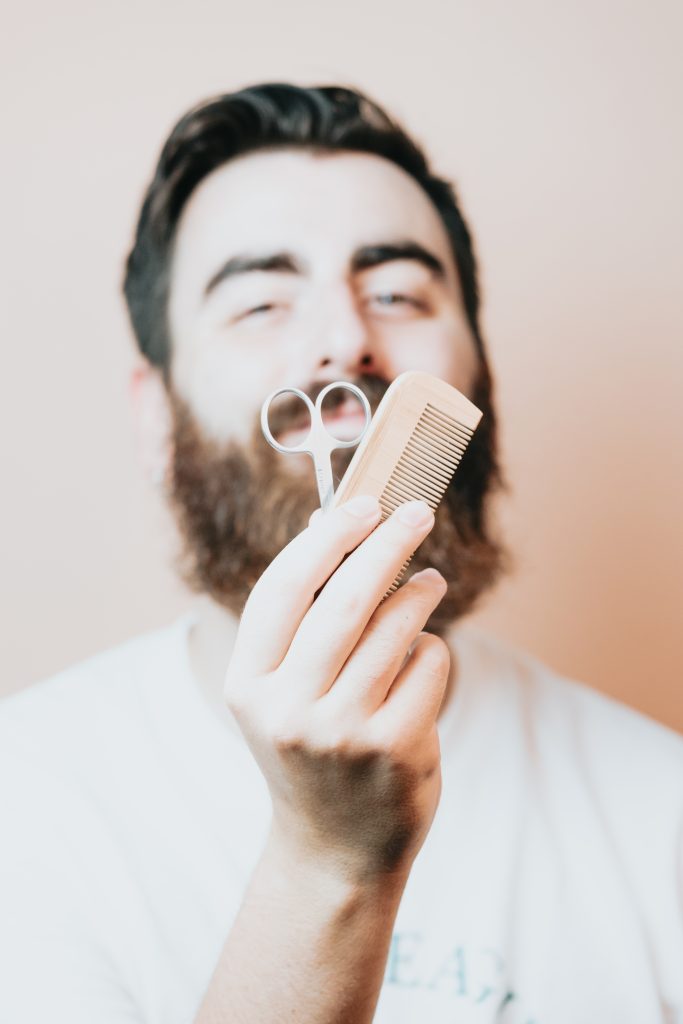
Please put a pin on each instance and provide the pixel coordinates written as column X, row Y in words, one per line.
column 295, row 269
column 328, row 302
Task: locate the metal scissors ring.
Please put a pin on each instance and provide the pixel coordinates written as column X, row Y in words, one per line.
column 319, row 443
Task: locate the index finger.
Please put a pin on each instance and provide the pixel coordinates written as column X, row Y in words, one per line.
column 285, row 591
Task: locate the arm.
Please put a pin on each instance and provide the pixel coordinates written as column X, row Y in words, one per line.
column 305, row 947
column 337, row 693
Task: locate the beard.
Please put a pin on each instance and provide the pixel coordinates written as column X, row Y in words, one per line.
column 238, row 504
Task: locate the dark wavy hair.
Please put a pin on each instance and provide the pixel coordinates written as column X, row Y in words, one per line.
column 268, row 116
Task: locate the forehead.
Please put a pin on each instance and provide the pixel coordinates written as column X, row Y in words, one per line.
column 321, row 205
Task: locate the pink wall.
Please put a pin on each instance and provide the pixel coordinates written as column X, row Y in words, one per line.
column 559, row 124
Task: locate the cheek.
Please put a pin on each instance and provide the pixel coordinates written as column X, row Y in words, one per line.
column 442, row 349
column 225, row 387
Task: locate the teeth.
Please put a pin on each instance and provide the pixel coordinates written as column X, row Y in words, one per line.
column 344, row 422
column 292, row 438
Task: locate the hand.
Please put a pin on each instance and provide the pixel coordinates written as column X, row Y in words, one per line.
column 338, row 697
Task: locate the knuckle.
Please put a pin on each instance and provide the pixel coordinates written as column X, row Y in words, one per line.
column 394, row 539
column 334, row 737
column 434, row 654
column 286, row 738
column 233, row 693
column 383, row 740
column 347, row 520
column 288, row 744
column 288, row 731
column 392, row 550
column 238, row 706
column 384, row 650
column 420, row 601
column 338, row 745
column 386, row 741
column 381, row 635
column 343, row 604
column 301, row 741
column 285, row 571
column 289, row 580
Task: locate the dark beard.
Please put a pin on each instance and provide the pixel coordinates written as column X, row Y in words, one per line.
column 238, row 505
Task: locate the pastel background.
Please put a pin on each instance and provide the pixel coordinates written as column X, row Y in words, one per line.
column 560, row 125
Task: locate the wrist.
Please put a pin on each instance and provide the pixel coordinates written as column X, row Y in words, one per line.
column 328, row 875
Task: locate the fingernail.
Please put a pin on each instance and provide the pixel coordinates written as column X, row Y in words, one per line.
column 363, row 506
column 415, row 513
column 429, row 574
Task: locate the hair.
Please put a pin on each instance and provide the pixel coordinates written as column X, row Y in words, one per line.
column 325, row 119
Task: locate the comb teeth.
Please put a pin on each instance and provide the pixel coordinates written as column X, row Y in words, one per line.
column 418, row 435
column 426, row 466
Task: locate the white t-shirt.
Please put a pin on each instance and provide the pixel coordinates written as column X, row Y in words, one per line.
column 549, row 889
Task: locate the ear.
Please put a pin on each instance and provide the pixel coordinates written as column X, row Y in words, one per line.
column 152, row 421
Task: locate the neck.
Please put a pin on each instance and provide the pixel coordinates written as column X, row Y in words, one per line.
column 211, row 642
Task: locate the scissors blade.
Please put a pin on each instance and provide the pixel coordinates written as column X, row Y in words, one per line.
column 324, row 479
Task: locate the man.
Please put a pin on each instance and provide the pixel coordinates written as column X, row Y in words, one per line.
column 394, row 817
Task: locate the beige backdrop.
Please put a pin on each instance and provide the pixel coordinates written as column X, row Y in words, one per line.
column 558, row 122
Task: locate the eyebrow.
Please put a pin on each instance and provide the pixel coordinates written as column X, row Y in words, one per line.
column 364, row 258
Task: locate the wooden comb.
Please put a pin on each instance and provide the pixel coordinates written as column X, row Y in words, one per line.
column 413, row 446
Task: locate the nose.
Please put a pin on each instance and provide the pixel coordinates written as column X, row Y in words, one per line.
column 343, row 346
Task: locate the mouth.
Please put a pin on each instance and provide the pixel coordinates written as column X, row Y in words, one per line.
column 345, row 422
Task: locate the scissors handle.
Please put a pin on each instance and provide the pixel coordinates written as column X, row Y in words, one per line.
column 265, row 424
column 336, row 442
column 319, row 443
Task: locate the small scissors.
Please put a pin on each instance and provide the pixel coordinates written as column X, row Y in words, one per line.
column 319, row 443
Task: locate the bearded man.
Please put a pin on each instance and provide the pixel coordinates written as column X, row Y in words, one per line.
column 301, row 802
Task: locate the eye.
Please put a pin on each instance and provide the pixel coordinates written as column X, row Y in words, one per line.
column 265, row 307
column 254, row 314
column 396, row 301
column 393, row 298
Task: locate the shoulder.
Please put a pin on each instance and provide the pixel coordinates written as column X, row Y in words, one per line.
column 587, row 749
column 586, row 716
column 602, row 782
column 84, row 708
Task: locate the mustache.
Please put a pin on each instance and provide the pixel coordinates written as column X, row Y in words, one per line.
column 288, row 412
